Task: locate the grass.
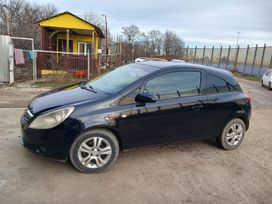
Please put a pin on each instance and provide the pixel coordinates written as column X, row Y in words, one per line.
column 247, row 76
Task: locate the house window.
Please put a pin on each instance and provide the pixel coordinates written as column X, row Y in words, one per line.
column 62, row 45
column 84, row 47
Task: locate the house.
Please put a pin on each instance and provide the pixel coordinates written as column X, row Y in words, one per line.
column 65, row 41
column 67, row 30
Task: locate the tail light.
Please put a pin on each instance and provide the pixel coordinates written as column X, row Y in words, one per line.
column 248, row 99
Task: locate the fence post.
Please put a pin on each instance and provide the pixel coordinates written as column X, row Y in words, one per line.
column 88, row 64
column 254, row 58
column 34, row 61
column 220, row 55
column 228, row 58
column 262, row 59
column 270, row 66
column 187, row 50
column 236, row 58
column 11, row 63
column 211, row 56
column 204, row 49
column 195, row 53
column 246, row 59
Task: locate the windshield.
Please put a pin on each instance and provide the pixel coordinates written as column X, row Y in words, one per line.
column 120, row 78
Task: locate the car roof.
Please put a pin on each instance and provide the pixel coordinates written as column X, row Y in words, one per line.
column 227, row 75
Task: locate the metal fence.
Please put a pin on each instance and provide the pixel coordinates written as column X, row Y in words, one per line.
column 250, row 60
column 69, row 65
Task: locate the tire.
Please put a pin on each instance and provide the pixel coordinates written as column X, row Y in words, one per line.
column 94, row 151
column 229, row 139
column 262, row 84
column 269, row 86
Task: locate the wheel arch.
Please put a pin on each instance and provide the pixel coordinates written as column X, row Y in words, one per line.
column 110, row 129
column 244, row 119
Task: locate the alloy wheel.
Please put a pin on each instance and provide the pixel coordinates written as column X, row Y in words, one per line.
column 94, row 152
column 234, row 134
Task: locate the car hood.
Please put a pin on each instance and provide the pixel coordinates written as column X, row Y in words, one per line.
column 61, row 97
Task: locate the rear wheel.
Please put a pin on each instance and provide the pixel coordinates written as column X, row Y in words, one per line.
column 232, row 135
column 94, row 151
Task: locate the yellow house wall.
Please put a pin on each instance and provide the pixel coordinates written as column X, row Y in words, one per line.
column 76, row 39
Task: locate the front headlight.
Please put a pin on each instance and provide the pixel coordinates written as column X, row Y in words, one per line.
column 51, row 119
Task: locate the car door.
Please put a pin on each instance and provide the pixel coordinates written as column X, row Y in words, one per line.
column 176, row 115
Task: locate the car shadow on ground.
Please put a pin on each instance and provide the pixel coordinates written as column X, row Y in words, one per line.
column 195, row 149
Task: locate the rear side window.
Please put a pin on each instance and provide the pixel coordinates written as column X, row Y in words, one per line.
column 215, row 84
column 175, row 84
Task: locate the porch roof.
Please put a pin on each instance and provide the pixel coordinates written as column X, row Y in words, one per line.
column 73, row 31
column 66, row 20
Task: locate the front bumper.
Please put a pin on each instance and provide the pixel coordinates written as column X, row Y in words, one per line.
column 54, row 143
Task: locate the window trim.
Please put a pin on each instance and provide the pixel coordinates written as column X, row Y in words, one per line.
column 202, row 79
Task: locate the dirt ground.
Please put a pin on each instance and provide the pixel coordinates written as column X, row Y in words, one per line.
column 196, row 172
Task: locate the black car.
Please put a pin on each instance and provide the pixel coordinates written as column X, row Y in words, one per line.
column 136, row 105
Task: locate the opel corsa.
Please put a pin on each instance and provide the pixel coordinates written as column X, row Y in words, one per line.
column 135, row 105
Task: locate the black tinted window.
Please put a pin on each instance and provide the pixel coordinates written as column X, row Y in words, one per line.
column 175, row 84
column 130, row 98
column 217, row 85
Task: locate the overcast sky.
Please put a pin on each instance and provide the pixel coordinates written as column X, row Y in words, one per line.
column 197, row 22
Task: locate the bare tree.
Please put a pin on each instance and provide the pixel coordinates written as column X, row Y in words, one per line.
column 99, row 21
column 23, row 17
column 132, row 33
column 153, row 42
column 173, row 45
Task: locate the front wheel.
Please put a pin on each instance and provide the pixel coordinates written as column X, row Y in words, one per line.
column 94, row 151
column 232, row 135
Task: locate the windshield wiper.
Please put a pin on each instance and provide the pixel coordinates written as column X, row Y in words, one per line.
column 89, row 87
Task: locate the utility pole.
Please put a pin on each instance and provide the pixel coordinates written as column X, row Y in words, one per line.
column 106, row 27
column 238, row 37
column 237, row 52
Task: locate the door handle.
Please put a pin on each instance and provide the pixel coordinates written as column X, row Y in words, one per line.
column 197, row 107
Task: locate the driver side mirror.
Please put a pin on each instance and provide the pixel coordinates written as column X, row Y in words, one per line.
column 145, row 98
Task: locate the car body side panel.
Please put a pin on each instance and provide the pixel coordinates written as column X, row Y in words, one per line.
column 223, row 108
column 167, row 121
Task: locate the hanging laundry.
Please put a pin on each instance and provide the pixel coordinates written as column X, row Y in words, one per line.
column 19, row 56
column 29, row 55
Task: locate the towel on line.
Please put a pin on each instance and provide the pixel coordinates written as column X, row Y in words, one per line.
column 19, row 56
